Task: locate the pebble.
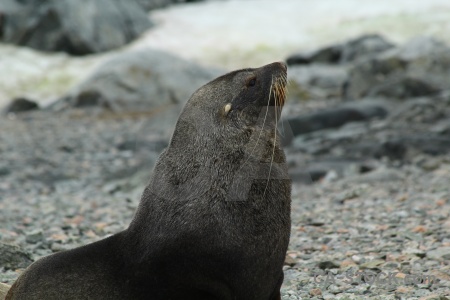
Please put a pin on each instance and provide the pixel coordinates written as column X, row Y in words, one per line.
column 34, row 236
column 442, row 253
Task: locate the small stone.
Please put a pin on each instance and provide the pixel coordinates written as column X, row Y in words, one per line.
column 415, row 251
column 374, row 264
column 315, row 292
column 403, row 290
column 431, row 164
column 57, row 247
column 356, row 258
column 34, row 236
column 317, row 223
column 4, row 171
column 328, row 264
column 289, row 261
column 431, row 297
column 347, row 263
column 21, row 105
column 59, row 237
column 442, row 253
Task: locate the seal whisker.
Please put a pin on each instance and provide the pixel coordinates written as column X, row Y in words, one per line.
column 277, row 100
column 285, row 91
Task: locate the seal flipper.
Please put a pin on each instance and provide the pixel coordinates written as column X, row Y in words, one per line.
column 88, row 272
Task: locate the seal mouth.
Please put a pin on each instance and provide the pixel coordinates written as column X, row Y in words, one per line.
column 278, row 90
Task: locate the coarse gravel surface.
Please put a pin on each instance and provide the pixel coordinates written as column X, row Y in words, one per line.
column 72, row 178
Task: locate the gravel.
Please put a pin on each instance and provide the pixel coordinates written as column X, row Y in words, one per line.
column 67, row 180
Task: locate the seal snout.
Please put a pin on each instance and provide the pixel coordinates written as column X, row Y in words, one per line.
column 277, row 91
column 281, row 65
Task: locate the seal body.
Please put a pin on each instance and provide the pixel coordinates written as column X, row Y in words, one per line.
column 214, row 220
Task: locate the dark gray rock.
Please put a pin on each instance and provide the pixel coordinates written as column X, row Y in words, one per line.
column 404, row 87
column 4, row 171
column 12, row 257
column 421, row 67
column 61, row 25
column 393, row 149
column 428, row 143
column 154, row 4
column 19, row 105
column 328, row 264
column 334, row 117
column 139, row 81
column 352, row 50
column 317, row 170
column 327, row 55
column 420, row 110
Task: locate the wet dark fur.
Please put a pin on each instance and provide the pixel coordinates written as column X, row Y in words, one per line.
column 214, row 220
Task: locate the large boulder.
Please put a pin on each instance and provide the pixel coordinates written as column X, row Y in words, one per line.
column 419, row 68
column 358, row 111
column 77, row 27
column 342, row 53
column 373, row 129
column 139, row 81
column 323, row 73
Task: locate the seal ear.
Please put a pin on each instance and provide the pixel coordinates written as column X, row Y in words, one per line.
column 227, row 108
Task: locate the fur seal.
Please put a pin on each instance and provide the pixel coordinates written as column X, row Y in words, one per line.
column 214, row 220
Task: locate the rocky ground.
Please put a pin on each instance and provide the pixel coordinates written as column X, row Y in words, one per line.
column 389, row 220
column 74, row 179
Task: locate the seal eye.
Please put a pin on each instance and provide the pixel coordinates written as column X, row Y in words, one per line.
column 251, row 82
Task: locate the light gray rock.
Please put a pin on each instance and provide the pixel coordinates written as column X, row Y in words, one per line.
column 316, row 81
column 139, row 81
column 77, row 27
column 442, row 253
column 34, row 236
